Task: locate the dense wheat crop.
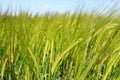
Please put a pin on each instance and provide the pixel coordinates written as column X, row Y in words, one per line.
column 64, row 46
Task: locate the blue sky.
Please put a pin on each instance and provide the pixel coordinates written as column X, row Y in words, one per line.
column 42, row 6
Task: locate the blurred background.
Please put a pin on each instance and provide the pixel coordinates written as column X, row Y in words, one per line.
column 61, row 6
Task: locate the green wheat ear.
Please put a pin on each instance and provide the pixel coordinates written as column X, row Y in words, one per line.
column 61, row 55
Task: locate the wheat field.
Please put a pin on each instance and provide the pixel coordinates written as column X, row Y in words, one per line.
column 76, row 46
